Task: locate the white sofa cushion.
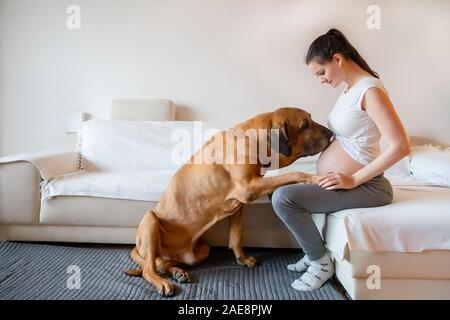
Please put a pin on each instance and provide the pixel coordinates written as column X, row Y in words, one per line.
column 115, row 145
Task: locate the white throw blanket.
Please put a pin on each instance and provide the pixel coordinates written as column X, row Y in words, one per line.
column 131, row 185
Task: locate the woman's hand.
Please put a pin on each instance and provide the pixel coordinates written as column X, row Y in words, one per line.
column 336, row 180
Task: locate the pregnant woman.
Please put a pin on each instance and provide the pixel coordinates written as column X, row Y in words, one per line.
column 350, row 171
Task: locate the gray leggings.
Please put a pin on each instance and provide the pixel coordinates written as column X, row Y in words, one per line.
column 294, row 204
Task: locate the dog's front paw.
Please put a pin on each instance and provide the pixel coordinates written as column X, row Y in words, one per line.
column 165, row 288
column 303, row 177
column 307, row 178
column 314, row 179
column 247, row 261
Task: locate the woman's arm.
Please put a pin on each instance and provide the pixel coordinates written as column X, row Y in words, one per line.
column 379, row 107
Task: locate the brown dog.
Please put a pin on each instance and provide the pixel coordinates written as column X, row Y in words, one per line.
column 199, row 195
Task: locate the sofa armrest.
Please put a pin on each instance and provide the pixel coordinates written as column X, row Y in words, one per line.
column 19, row 193
column 50, row 163
column 20, row 179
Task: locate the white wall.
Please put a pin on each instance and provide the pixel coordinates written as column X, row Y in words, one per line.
column 221, row 60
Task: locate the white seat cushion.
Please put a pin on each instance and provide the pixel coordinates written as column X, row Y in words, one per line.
column 417, row 220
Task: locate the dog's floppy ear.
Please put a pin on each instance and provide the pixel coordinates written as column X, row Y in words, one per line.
column 284, row 146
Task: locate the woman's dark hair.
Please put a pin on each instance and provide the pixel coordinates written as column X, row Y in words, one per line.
column 324, row 47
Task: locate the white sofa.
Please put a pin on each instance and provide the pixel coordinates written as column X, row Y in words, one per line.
column 99, row 192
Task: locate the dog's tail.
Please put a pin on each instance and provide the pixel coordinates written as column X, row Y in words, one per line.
column 134, row 272
column 139, row 260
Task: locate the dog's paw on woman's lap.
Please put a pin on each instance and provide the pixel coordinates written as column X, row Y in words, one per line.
column 303, row 177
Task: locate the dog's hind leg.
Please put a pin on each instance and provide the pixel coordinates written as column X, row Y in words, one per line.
column 163, row 267
column 149, row 248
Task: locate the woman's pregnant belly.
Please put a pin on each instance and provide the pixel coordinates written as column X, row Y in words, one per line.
column 336, row 159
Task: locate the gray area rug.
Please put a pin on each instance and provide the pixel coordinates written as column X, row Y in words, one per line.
column 44, row 272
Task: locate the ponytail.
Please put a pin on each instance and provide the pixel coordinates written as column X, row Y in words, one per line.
column 326, row 46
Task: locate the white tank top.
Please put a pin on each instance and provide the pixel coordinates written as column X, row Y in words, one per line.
column 354, row 128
